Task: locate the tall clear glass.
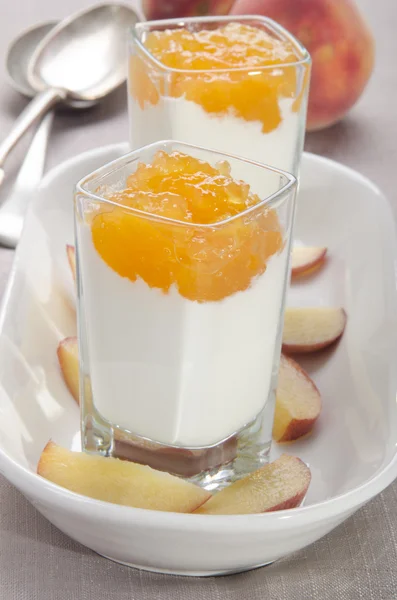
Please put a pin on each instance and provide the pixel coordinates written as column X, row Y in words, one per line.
column 180, row 323
column 258, row 113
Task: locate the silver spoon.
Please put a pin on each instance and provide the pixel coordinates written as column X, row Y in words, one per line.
column 80, row 61
column 13, row 208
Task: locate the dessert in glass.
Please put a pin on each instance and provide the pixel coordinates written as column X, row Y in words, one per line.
column 234, row 84
column 182, row 273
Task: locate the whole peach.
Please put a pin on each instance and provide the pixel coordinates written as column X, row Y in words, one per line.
column 169, row 9
column 340, row 44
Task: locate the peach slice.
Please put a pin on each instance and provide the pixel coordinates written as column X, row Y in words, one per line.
column 68, row 357
column 306, row 259
column 279, row 485
column 71, row 254
column 298, row 402
column 311, row 329
column 118, row 481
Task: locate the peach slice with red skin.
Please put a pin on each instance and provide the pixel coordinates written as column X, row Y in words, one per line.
column 279, row 485
column 305, row 260
column 119, row 481
column 298, row 402
column 311, row 329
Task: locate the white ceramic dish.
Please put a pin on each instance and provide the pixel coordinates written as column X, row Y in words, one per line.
column 352, row 453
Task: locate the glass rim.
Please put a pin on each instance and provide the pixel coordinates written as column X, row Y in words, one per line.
column 104, row 171
column 272, row 25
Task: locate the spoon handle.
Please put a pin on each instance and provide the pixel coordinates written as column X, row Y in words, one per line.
column 37, row 108
column 12, row 211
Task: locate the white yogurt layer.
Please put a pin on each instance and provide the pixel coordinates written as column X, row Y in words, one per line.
column 185, row 121
column 174, row 370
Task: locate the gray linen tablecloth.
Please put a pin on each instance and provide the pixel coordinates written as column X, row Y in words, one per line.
column 356, row 561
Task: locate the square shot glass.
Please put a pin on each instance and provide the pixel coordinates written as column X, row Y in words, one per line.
column 180, row 323
column 254, row 112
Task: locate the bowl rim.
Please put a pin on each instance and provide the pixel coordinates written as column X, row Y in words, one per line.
column 49, row 493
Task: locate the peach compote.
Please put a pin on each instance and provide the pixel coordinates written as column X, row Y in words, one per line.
column 233, row 47
column 182, row 277
column 238, row 86
column 203, row 263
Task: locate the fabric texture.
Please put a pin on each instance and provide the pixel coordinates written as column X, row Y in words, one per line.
column 357, row 561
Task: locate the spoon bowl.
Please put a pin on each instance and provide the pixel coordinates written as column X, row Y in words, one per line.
column 85, row 54
column 19, row 55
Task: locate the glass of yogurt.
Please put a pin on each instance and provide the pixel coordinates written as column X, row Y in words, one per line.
column 183, row 263
column 235, row 84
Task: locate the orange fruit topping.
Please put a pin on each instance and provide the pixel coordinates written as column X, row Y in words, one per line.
column 222, row 71
column 207, row 254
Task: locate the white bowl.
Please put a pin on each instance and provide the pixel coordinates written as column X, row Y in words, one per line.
column 352, row 453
